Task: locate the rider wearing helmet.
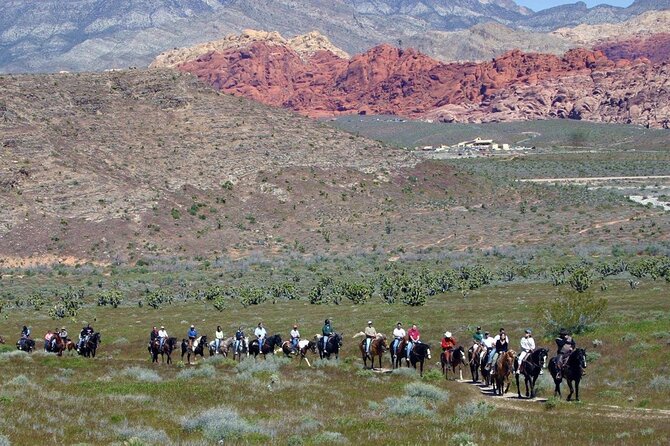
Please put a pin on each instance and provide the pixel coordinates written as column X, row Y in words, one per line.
column 527, row 347
column 448, row 344
column 295, row 338
column 398, row 335
column 565, row 345
column 326, row 332
column 370, row 334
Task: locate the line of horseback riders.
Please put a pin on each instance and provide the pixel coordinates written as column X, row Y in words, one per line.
column 57, row 341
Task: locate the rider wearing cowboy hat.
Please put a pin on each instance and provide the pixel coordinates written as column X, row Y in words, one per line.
column 295, row 338
column 448, row 344
column 192, row 335
column 162, row 336
column 370, row 334
column 565, row 345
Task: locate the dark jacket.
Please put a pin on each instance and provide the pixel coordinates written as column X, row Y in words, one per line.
column 327, row 330
column 502, row 346
column 239, row 335
column 564, row 343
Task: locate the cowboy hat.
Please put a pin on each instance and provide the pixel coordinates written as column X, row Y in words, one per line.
column 369, row 322
column 447, row 334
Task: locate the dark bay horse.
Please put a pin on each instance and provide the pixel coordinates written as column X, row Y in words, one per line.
column 377, row 348
column 530, row 368
column 503, row 369
column 400, row 352
column 58, row 345
column 484, row 370
column 333, row 346
column 168, row 347
column 572, row 372
column 25, row 344
column 269, row 346
column 304, row 347
column 198, row 348
column 450, row 359
column 90, row 346
column 420, row 352
column 475, row 361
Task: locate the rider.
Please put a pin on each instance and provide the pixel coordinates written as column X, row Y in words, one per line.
column 414, row 337
column 370, row 334
column 84, row 335
column 47, row 340
column 326, row 332
column 477, row 336
column 295, row 338
column 489, row 344
column 218, row 338
column 239, row 338
column 192, row 335
column 527, row 347
column 162, row 335
column 153, row 336
column 448, row 344
column 501, row 346
column 398, row 335
column 25, row 332
column 260, row 334
column 565, row 345
column 63, row 334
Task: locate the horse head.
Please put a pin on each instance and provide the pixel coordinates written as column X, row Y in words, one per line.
column 311, row 345
column 580, row 354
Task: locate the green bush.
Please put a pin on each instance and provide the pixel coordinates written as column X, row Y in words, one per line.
column 581, row 279
column 574, row 311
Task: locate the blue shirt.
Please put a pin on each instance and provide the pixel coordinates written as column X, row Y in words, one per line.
column 192, row 333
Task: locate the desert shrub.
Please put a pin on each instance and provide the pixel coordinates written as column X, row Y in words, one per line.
column 155, row 299
column 552, row 403
column 221, row 424
column 326, row 363
column 660, row 383
column 462, row 439
column 111, row 297
column 330, row 438
column 576, row 312
column 120, row 341
column 140, row 374
column 471, row 411
column 356, row 292
column 407, row 406
column 426, row 391
column 19, row 380
column 4, row 441
column 271, row 365
column 433, row 375
column 581, row 279
column 251, row 296
column 204, row 371
column 406, row 371
column 295, row 440
column 137, row 435
column 283, row 291
column 414, row 295
column 5, row 356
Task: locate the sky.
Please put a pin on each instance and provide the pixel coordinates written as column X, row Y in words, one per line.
column 537, row 5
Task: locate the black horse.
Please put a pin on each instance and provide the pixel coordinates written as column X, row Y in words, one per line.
column 484, row 370
column 25, row 345
column 90, row 345
column 573, row 370
column 419, row 353
column 268, row 346
column 333, row 346
column 168, row 346
column 530, row 369
column 475, row 361
column 199, row 348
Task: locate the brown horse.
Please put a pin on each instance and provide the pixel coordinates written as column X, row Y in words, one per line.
column 304, row 347
column 58, row 344
column 450, row 359
column 2, row 340
column 503, row 370
column 377, row 348
column 400, row 353
column 168, row 346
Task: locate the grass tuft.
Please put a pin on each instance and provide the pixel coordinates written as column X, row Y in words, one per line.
column 408, row 406
column 330, row 438
column 472, row 411
column 140, row 374
column 426, row 391
column 4, row 441
column 660, row 383
column 406, row 372
column 204, row 371
column 221, row 424
column 145, row 434
column 462, row 439
column 19, row 381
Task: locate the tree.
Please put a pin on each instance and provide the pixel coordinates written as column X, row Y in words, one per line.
column 580, row 279
column 574, row 311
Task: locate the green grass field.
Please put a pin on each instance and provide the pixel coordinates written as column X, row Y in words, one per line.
column 120, row 396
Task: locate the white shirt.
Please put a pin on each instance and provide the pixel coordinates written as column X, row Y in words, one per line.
column 260, row 332
column 219, row 335
column 295, row 334
column 162, row 334
column 527, row 344
column 489, row 342
column 399, row 333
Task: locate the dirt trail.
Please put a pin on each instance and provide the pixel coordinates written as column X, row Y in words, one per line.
column 600, row 225
column 587, row 179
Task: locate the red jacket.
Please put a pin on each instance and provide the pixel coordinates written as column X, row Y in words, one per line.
column 414, row 334
column 448, row 343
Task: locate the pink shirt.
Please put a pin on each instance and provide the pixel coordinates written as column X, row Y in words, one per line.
column 414, row 334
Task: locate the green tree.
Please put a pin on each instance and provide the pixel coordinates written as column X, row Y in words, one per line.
column 571, row 310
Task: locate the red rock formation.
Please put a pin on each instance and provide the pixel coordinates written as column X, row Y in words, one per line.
column 655, row 48
column 582, row 84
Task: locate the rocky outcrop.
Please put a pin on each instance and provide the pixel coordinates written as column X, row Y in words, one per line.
column 655, row 48
column 582, row 84
column 644, row 25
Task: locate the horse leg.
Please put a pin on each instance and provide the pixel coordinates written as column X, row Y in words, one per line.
column 577, row 389
column 518, row 386
column 572, row 390
column 460, row 372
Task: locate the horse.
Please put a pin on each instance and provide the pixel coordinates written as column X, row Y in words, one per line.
column 484, row 370
column 573, row 370
column 304, row 346
column 450, row 359
column 269, row 346
column 168, row 346
column 57, row 345
column 198, row 348
column 2, row 340
column 504, row 368
column 25, row 345
column 420, row 352
column 377, row 348
column 90, row 346
column 70, row 345
column 333, row 346
column 475, row 360
column 530, row 368
column 224, row 347
column 400, row 353
column 242, row 349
